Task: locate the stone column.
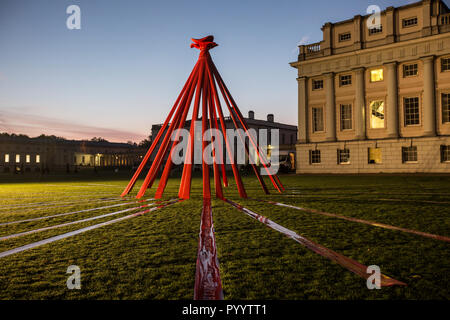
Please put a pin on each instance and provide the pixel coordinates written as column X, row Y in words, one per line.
column 357, row 39
column 327, row 43
column 391, row 112
column 390, row 25
column 426, row 21
column 302, row 110
column 360, row 105
column 330, row 108
column 429, row 102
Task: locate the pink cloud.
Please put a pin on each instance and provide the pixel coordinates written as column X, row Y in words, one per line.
column 34, row 125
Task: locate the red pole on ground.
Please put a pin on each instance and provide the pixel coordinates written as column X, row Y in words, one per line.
column 214, row 97
column 165, row 175
column 162, row 150
column 227, row 94
column 202, row 82
column 212, row 125
column 205, row 166
column 158, row 136
column 255, row 169
column 237, row 177
column 185, row 185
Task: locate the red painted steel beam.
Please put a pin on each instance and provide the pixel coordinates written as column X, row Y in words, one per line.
column 185, row 185
column 237, row 177
column 165, row 175
column 255, row 169
column 144, row 161
column 161, row 152
column 212, row 125
column 205, row 166
column 226, row 94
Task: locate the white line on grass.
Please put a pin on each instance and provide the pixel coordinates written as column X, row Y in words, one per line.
column 16, row 235
column 75, row 232
column 73, row 212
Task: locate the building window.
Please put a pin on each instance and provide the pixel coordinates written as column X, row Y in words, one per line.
column 343, row 156
column 377, row 114
column 375, row 155
column 411, row 109
column 317, row 84
column 376, row 75
column 346, row 116
column 409, row 154
column 376, row 30
column 409, row 22
column 82, row 159
column 345, row 80
column 283, row 137
column 38, row 158
column 27, row 158
column 6, row 157
column 445, row 107
column 314, row 156
column 317, row 119
column 345, row 36
column 445, row 153
column 410, row 70
column 17, row 158
column 445, row 64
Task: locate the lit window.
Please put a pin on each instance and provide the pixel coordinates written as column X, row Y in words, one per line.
column 409, row 22
column 345, row 36
column 6, row 157
column 409, row 154
column 445, row 107
column 376, row 75
column 411, row 111
column 377, row 114
column 346, row 116
column 38, row 158
column 445, row 153
column 410, row 70
column 343, row 156
column 27, row 158
column 317, row 118
column 17, row 158
column 314, row 156
column 317, row 84
column 345, row 80
column 445, row 64
column 375, row 155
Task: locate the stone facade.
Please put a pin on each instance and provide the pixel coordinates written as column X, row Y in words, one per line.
column 360, row 89
column 24, row 154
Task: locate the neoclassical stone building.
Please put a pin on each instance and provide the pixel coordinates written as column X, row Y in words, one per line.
column 376, row 98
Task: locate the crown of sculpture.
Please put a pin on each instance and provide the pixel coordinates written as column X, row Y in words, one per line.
column 204, row 44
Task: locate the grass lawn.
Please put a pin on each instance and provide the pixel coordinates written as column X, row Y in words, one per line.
column 153, row 256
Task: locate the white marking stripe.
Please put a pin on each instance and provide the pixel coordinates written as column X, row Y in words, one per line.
column 57, row 204
column 16, row 235
column 370, row 223
column 73, row 212
column 348, row 263
column 75, row 232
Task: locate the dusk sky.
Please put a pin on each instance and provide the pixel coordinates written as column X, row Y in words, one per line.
column 123, row 70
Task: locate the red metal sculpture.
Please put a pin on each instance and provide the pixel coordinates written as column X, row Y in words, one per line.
column 201, row 86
